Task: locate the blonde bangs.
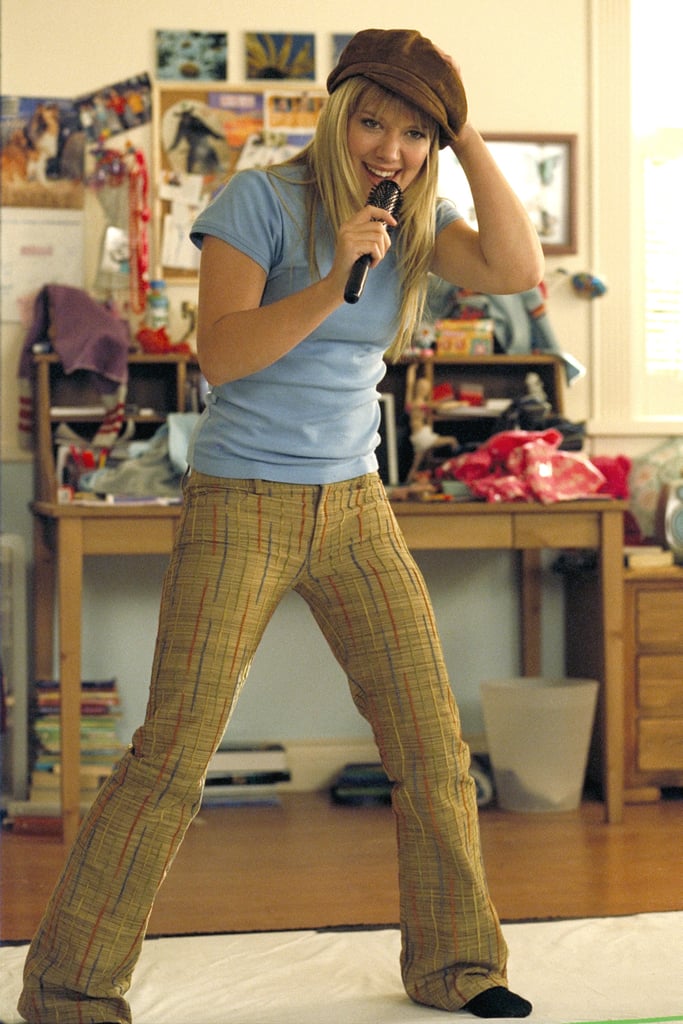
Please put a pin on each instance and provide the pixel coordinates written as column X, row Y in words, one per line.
column 384, row 103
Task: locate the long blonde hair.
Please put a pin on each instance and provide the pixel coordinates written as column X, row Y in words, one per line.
column 335, row 188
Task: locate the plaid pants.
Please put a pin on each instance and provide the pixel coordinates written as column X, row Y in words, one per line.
column 240, row 547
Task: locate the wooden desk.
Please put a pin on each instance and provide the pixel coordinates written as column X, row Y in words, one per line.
column 65, row 534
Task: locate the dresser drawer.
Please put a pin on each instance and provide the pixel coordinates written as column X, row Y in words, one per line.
column 660, row 683
column 660, row 744
column 659, row 616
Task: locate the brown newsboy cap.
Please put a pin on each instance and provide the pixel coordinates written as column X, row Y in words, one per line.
column 409, row 65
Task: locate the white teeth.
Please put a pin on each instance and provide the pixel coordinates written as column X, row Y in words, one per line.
column 381, row 174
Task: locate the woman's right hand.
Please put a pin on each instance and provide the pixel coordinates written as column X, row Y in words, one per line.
column 365, row 233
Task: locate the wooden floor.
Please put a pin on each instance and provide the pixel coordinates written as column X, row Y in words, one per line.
column 310, row 864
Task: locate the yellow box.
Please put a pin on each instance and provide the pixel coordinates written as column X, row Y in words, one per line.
column 464, row 337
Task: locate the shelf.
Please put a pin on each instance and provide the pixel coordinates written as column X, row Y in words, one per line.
column 157, row 385
column 503, row 379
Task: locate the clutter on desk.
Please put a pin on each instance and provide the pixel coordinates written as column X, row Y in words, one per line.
column 524, row 465
column 463, row 337
column 511, row 466
column 146, row 469
column 88, row 336
column 513, row 324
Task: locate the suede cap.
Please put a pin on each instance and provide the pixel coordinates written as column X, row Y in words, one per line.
column 408, row 64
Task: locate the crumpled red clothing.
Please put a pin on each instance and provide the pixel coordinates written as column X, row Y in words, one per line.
column 525, row 465
column 157, row 341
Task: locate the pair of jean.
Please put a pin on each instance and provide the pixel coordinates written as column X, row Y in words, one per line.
column 241, row 545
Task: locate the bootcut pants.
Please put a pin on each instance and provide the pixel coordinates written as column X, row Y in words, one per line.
column 241, row 545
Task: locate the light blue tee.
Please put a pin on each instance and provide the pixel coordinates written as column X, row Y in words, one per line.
column 313, row 416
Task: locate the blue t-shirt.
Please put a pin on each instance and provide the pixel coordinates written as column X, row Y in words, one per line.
column 311, row 417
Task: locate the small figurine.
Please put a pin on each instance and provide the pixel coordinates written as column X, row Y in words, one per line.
column 535, row 389
column 423, row 437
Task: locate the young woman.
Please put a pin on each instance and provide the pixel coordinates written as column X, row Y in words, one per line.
column 283, row 494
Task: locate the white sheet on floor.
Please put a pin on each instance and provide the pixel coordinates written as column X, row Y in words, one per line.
column 602, row 969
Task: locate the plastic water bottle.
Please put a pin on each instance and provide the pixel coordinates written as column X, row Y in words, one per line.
column 157, row 306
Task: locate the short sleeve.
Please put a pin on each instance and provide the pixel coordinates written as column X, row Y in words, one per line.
column 446, row 213
column 247, row 214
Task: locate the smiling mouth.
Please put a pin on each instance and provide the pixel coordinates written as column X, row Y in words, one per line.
column 379, row 173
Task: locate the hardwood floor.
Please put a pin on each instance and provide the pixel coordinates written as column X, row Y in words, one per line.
column 310, row 864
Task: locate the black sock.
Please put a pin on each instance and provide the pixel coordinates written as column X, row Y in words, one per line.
column 498, row 1002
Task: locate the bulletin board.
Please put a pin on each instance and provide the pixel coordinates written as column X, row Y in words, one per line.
column 203, row 134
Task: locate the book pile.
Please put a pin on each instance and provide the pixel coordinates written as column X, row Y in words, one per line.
column 647, row 556
column 100, row 745
column 245, row 773
column 361, row 784
column 367, row 784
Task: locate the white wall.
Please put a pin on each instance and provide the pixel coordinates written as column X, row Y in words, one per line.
column 526, row 69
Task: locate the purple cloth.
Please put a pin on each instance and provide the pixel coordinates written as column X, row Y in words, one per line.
column 82, row 332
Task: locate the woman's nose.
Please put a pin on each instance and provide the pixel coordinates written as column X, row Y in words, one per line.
column 389, row 146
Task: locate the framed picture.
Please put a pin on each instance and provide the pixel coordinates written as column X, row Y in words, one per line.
column 542, row 171
column 279, row 55
column 192, row 56
column 203, row 134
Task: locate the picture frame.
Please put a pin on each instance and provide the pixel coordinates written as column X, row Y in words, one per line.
column 541, row 168
column 204, row 133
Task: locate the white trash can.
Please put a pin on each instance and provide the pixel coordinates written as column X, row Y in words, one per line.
column 538, row 733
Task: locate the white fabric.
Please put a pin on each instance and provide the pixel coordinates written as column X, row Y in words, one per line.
column 603, row 969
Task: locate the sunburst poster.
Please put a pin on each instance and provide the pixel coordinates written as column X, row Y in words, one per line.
column 280, row 55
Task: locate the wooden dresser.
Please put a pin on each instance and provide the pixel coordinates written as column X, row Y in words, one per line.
column 653, row 681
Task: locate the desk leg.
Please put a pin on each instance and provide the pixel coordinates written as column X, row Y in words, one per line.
column 43, row 597
column 612, row 603
column 530, row 610
column 70, row 597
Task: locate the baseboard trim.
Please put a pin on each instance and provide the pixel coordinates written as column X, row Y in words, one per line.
column 314, row 764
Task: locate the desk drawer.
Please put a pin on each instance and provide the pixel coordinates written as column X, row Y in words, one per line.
column 557, row 530
column 660, row 683
column 659, row 614
column 444, row 532
column 660, row 744
column 140, row 535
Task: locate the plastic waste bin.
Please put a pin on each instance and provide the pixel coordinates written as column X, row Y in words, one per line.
column 538, row 733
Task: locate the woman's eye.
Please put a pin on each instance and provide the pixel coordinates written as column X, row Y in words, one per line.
column 369, row 122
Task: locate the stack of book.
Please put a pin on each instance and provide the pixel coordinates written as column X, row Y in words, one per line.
column 647, row 556
column 362, row 784
column 245, row 773
column 100, row 745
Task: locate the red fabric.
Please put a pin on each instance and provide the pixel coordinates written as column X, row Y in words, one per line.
column 158, row 342
column 524, row 465
column 615, row 469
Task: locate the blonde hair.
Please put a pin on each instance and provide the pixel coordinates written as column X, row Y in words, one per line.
column 335, row 189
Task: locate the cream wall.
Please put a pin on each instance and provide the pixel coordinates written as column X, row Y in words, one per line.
column 526, row 67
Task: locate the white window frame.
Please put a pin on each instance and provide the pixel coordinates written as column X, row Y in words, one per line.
column 616, row 234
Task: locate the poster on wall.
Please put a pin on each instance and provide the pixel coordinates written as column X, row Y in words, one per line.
column 115, row 108
column 42, row 151
column 273, row 55
column 339, row 41
column 38, row 246
column 191, row 56
column 203, row 135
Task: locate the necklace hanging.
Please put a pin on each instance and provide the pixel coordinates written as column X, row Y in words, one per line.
column 139, row 214
column 121, row 183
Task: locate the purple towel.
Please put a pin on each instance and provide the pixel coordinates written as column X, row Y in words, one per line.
column 83, row 333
